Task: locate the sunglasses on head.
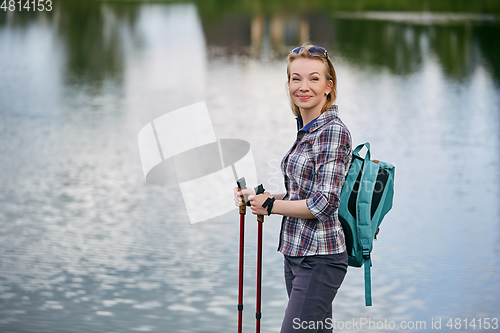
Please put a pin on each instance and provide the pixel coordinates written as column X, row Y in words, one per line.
column 314, row 50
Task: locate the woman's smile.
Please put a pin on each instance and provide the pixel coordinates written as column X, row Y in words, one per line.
column 304, row 97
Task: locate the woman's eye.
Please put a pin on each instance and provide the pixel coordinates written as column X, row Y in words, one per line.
column 295, row 79
column 314, row 79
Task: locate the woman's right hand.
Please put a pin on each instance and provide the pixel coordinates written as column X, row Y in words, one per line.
column 238, row 194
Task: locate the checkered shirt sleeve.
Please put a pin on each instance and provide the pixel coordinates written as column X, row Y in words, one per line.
column 332, row 157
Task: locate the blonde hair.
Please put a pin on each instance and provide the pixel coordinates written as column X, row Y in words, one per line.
column 329, row 73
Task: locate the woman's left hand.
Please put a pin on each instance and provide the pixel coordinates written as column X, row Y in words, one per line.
column 256, row 202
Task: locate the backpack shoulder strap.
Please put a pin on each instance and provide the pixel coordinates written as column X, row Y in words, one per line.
column 363, row 217
column 368, row 285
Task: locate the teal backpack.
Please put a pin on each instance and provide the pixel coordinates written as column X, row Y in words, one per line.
column 365, row 199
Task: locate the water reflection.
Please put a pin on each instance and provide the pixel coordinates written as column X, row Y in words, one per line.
column 92, row 41
column 87, row 246
column 396, row 45
column 95, row 36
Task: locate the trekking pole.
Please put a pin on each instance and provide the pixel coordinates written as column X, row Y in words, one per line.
column 260, row 219
column 241, row 186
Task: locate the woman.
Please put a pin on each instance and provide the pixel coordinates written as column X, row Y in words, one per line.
column 311, row 238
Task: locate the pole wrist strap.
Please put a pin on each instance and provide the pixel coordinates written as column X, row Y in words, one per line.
column 269, row 204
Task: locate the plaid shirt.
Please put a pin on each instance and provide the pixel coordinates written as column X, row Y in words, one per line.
column 315, row 169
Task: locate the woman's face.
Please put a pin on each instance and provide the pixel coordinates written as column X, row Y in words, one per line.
column 308, row 85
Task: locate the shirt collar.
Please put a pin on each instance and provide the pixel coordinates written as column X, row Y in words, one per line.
column 300, row 124
column 324, row 118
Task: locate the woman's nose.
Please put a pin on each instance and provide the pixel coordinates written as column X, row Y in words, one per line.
column 304, row 86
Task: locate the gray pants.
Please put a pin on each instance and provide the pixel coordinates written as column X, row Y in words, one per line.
column 312, row 283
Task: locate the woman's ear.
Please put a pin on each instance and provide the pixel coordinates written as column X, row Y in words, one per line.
column 329, row 88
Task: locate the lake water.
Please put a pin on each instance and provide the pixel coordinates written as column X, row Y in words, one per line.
column 86, row 245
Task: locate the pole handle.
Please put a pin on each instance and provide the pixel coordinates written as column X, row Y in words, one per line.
column 242, row 185
column 259, row 190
